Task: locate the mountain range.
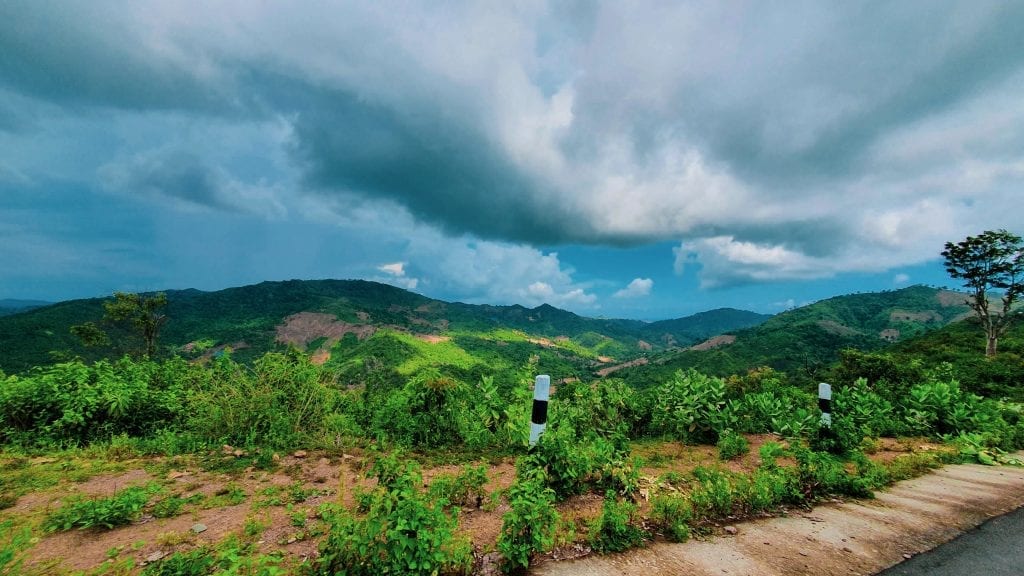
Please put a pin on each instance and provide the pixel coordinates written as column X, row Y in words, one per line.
column 354, row 323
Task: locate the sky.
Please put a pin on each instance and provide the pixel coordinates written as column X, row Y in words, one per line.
column 617, row 159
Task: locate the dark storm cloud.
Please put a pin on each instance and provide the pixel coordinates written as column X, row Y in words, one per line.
column 769, row 137
column 446, row 173
column 91, row 54
column 183, row 176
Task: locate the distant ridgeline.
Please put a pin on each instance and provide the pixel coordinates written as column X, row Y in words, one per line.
column 344, row 322
column 804, row 341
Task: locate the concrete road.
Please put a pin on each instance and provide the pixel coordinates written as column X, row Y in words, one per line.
column 842, row 539
column 996, row 548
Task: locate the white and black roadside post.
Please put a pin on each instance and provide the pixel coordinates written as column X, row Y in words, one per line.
column 825, row 403
column 539, row 418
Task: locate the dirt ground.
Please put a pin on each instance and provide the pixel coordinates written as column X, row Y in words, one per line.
column 256, row 504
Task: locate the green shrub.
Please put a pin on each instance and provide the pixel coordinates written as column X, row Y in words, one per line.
column 689, row 407
column 402, row 533
column 615, row 529
column 671, row 513
column 712, row 496
column 530, row 524
column 465, row 489
column 842, row 437
column 732, row 445
column 13, row 543
column 117, row 510
column 870, row 413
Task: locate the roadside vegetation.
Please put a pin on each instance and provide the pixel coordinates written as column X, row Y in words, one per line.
column 406, row 453
column 603, row 446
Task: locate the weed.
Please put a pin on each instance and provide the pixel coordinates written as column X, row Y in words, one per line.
column 120, row 509
column 672, row 514
column 530, row 524
column 732, row 445
column 615, row 529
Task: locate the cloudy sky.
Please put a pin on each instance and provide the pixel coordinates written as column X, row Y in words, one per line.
column 631, row 159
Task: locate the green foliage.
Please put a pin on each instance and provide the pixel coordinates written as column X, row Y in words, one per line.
column 402, row 532
column 230, row 558
column 615, row 529
column 688, row 407
column 73, row 403
column 712, row 494
column 281, row 402
column 869, row 412
column 465, row 489
column 671, row 513
column 529, row 525
column 13, row 543
column 117, row 510
column 841, row 437
column 732, row 445
column 572, row 463
column 990, row 262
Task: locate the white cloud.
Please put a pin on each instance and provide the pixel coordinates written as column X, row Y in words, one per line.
column 901, row 279
column 834, row 144
column 394, row 269
column 637, row 288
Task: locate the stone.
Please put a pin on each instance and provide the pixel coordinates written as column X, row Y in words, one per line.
column 198, row 528
column 300, row 454
column 731, row 530
column 155, row 556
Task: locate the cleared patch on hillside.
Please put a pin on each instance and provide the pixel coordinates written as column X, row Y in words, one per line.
column 606, row 371
column 302, row 328
column 924, row 316
column 833, row 327
column 714, row 342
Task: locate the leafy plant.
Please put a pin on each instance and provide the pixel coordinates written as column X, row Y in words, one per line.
column 732, row 445
column 615, row 529
column 672, row 513
column 117, row 510
column 530, row 524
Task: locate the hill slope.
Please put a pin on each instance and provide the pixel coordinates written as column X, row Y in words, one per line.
column 803, row 340
column 319, row 316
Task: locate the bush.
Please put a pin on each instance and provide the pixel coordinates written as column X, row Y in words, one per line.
column 402, row 533
column 689, row 407
column 615, row 530
column 529, row 525
column 712, row 496
column 281, row 402
column 671, row 513
column 120, row 509
column 731, row 445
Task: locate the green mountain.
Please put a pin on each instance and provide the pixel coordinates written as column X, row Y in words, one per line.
column 805, row 340
column 348, row 320
column 10, row 306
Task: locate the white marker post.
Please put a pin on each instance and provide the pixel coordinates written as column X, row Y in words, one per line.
column 539, row 418
column 825, row 403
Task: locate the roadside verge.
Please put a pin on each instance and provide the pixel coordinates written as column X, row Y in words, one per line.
column 852, row 537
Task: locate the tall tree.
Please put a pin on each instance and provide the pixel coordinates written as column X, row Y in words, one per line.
column 137, row 312
column 142, row 312
column 991, row 262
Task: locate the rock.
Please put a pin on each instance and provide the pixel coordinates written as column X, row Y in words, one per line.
column 300, row 454
column 802, row 553
column 907, row 556
column 175, row 474
column 155, row 556
column 846, row 549
column 276, row 457
column 238, row 453
column 227, row 449
column 198, row 528
column 731, row 530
